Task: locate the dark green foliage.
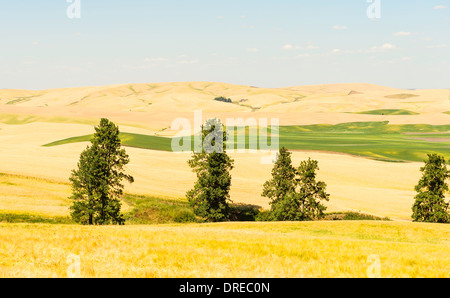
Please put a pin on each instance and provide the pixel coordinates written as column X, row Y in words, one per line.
column 97, row 183
column 295, row 194
column 430, row 205
column 310, row 192
column 283, row 178
column 353, row 216
column 264, row 215
column 244, row 212
column 210, row 196
column 223, row 99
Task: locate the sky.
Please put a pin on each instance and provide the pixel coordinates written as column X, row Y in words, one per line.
column 48, row 44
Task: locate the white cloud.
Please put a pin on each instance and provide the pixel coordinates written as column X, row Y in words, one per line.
column 253, row 50
column 440, row 7
column 388, row 46
column 308, row 46
column 287, row 47
column 219, row 17
column 336, row 27
column 402, row 33
column 385, row 47
column 336, row 50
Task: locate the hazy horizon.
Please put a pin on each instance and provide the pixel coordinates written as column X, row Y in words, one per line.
column 168, row 82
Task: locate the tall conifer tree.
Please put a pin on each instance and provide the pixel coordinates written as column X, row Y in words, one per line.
column 97, row 183
column 210, row 196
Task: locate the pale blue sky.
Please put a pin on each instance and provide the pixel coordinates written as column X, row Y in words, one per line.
column 252, row 42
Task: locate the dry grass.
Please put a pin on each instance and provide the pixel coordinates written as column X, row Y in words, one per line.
column 310, row 249
column 20, row 194
column 24, row 195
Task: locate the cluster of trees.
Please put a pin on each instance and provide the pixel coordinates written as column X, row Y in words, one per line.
column 294, row 193
column 224, row 99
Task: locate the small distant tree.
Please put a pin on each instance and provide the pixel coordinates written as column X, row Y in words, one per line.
column 210, row 196
column 430, row 205
column 97, row 183
column 223, row 99
column 295, row 194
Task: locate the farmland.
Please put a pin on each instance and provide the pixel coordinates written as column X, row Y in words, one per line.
column 370, row 146
column 377, row 140
column 293, row 250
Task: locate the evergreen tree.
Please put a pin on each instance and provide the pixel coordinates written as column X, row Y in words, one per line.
column 210, row 196
column 295, row 194
column 282, row 182
column 97, row 183
column 310, row 192
column 430, row 205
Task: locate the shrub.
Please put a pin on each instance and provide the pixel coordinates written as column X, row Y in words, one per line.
column 184, row 216
column 153, row 210
column 243, row 212
column 264, row 215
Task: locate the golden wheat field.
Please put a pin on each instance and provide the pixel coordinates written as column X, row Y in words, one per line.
column 278, row 250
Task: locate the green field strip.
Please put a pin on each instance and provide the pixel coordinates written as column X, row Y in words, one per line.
column 387, row 112
column 128, row 140
column 376, row 140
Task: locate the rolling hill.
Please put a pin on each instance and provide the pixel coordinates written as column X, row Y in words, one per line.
column 30, row 119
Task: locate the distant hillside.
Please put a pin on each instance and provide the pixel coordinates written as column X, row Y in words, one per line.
column 185, row 97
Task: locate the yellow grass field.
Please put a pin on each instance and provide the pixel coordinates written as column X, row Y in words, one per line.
column 274, row 250
column 35, row 196
column 21, row 194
